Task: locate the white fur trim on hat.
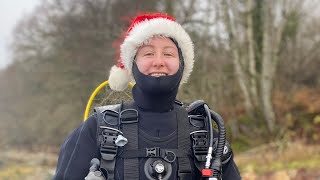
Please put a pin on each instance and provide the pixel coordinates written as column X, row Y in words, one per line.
column 158, row 26
column 119, row 78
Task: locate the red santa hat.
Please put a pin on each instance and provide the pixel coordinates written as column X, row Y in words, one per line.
column 142, row 28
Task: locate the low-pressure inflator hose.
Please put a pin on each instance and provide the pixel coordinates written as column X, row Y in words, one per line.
column 209, row 155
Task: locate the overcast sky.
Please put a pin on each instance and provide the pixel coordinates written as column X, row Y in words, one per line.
column 10, row 12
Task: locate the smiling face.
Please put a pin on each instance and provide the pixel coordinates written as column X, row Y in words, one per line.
column 158, row 57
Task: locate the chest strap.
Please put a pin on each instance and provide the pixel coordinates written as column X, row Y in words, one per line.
column 168, row 155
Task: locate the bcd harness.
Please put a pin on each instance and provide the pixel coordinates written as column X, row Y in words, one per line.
column 120, row 120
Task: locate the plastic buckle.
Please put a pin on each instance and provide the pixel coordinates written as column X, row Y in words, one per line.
column 108, row 149
column 200, row 144
column 200, row 138
column 108, row 152
column 153, row 152
column 128, row 116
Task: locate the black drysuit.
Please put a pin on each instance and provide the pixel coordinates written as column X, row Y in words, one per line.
column 157, row 128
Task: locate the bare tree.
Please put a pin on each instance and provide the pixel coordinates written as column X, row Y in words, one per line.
column 256, row 72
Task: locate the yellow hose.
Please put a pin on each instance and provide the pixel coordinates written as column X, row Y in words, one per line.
column 93, row 95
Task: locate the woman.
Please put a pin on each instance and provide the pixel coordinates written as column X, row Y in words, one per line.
column 157, row 54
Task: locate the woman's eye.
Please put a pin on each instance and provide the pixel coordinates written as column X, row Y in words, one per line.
column 168, row 54
column 148, row 54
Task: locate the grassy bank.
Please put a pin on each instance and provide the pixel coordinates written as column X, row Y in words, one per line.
column 29, row 165
column 280, row 161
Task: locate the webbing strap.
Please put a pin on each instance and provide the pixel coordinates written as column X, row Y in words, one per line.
column 107, row 167
column 184, row 172
column 131, row 166
column 108, row 160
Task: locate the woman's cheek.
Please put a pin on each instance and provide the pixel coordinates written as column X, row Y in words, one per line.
column 143, row 66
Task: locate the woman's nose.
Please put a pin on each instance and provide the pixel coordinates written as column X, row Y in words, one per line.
column 158, row 60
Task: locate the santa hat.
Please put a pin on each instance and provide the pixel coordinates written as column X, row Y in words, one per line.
column 141, row 29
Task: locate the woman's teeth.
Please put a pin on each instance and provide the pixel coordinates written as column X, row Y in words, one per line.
column 158, row 74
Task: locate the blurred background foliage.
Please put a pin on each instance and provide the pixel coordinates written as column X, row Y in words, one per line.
column 257, row 64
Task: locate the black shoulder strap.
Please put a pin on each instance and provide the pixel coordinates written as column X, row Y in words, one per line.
column 130, row 130
column 184, row 170
column 112, row 121
column 199, row 134
column 106, row 134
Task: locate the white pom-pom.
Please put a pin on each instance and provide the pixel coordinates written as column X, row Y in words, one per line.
column 118, row 78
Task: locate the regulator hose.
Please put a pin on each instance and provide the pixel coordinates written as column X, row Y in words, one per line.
column 217, row 165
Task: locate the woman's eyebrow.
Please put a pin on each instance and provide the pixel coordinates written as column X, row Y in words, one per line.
column 173, row 47
column 152, row 46
column 146, row 45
